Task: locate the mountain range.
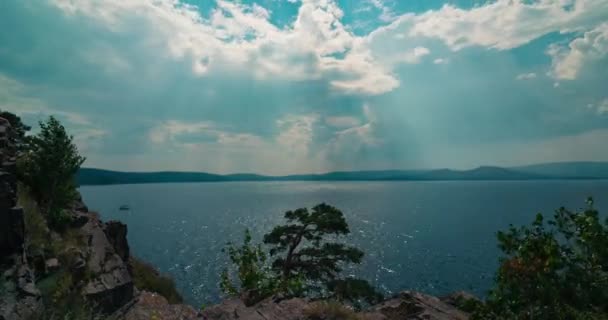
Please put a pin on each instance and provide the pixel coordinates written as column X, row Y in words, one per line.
column 545, row 171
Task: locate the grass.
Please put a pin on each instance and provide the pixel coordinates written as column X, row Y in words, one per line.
column 329, row 310
column 37, row 232
column 147, row 278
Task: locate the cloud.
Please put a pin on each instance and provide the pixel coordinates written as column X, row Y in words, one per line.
column 342, row 121
column 526, row 76
column 501, row 25
column 440, row 61
column 413, row 56
column 585, row 146
column 242, row 35
column 296, row 133
column 601, row 107
column 14, row 98
column 170, row 130
column 569, row 61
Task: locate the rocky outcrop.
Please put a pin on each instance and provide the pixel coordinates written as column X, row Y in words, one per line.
column 111, row 285
column 407, row 305
column 149, row 305
column 418, row 306
column 266, row 310
column 12, row 233
column 116, row 232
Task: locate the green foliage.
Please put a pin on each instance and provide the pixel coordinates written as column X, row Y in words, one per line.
column 553, row 270
column 147, row 278
column 37, row 235
column 305, row 261
column 354, row 290
column 301, row 247
column 255, row 277
column 48, row 168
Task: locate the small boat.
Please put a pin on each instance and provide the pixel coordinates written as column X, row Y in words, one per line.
column 124, row 207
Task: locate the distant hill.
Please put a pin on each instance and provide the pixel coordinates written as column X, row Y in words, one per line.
column 565, row 170
column 581, row 170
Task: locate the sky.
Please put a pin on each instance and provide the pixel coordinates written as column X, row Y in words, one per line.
column 298, row 86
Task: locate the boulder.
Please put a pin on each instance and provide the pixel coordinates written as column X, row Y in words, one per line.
column 111, row 285
column 148, row 305
column 52, row 264
column 418, row 306
column 266, row 310
column 460, row 299
column 116, row 232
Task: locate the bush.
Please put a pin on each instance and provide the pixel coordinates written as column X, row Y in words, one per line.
column 552, row 270
column 48, row 167
column 147, row 278
column 255, row 277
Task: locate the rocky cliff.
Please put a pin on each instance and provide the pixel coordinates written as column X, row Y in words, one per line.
column 86, row 271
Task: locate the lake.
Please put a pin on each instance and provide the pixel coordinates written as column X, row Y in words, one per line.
column 434, row 237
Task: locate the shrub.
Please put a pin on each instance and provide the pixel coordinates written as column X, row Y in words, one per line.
column 552, row 270
column 255, row 278
column 48, row 167
column 147, row 278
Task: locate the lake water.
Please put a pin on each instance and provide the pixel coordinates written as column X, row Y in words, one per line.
column 435, row 237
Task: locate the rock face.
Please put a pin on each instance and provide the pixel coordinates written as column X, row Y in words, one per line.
column 12, row 233
column 111, row 285
column 148, row 305
column 407, row 305
column 265, row 310
column 418, row 306
column 116, row 232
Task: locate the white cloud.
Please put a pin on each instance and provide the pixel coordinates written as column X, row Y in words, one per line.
column 601, row 107
column 238, row 34
column 342, row 121
column 568, row 61
column 286, row 152
column 352, row 139
column 526, row 76
column 440, row 61
column 317, row 44
column 506, row 24
column 169, row 130
column 413, row 56
column 13, row 98
column 296, row 134
column 502, row 25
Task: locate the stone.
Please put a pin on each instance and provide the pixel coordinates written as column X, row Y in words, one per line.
column 268, row 309
column 78, row 219
column 111, row 285
column 116, row 232
column 150, row 305
column 52, row 264
column 418, row 306
column 457, row 298
column 26, row 281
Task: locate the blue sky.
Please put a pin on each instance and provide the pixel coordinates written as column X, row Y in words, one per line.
column 297, row 86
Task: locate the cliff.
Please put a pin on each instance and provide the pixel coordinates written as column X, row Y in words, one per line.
column 86, row 271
